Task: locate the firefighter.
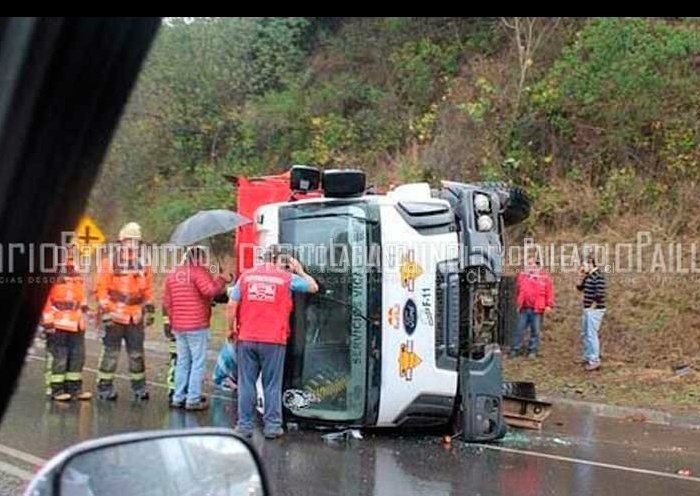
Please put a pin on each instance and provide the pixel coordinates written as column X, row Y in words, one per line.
column 124, row 289
column 64, row 321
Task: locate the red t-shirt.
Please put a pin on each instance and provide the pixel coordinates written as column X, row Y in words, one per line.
column 265, row 305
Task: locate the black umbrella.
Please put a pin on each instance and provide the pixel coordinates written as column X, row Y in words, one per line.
column 205, row 224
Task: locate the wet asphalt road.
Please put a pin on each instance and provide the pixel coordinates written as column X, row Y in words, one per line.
column 575, row 454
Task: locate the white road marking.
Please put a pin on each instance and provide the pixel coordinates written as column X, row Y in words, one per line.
column 22, row 455
column 14, row 470
column 20, row 473
column 589, row 462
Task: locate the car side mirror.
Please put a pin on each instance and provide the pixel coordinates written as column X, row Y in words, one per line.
column 178, row 463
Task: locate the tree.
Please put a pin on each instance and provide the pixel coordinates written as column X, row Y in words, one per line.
column 528, row 35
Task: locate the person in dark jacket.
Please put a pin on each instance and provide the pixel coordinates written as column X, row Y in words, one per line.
column 593, row 287
column 187, row 299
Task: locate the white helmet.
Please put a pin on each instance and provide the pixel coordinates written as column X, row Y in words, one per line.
column 130, row 231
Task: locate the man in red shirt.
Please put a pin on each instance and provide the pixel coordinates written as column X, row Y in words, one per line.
column 534, row 296
column 189, row 291
column 262, row 302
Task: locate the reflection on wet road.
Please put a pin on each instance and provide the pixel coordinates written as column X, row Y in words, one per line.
column 577, row 453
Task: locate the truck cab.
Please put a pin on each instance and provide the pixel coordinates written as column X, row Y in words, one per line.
column 404, row 330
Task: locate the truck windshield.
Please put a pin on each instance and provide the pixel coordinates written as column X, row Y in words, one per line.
column 327, row 356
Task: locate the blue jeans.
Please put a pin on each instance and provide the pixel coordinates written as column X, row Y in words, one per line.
column 253, row 358
column 527, row 317
column 590, row 325
column 191, row 361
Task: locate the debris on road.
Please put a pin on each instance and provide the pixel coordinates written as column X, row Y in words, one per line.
column 335, row 437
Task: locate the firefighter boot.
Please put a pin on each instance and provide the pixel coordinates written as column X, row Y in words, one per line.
column 58, row 393
column 141, row 395
column 140, row 391
column 75, row 389
column 84, row 395
column 106, row 391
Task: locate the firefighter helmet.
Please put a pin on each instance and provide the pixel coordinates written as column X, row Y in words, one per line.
column 130, row 231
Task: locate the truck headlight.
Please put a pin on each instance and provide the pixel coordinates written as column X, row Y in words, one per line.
column 482, row 203
column 484, row 223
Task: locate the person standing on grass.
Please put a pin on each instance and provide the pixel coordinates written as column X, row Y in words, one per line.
column 593, row 287
column 534, row 296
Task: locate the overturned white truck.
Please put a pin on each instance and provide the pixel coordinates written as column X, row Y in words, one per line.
column 405, row 330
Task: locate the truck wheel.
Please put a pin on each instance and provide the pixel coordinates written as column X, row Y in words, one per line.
column 518, row 208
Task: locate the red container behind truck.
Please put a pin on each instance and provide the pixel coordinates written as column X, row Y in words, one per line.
column 253, row 192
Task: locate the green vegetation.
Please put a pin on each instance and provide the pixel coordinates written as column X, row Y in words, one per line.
column 597, row 117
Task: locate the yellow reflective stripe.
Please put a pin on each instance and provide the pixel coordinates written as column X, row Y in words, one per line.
column 74, row 376
column 57, row 378
column 47, row 369
column 137, row 376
